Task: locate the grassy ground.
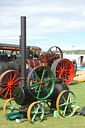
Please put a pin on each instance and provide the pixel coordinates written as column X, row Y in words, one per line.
column 75, row 121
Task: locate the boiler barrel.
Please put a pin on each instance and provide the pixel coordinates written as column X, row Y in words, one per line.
column 23, row 97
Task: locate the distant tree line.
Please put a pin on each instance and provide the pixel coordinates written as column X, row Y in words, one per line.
column 70, row 51
column 74, row 51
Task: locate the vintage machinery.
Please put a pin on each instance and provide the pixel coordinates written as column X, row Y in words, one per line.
column 11, row 70
column 41, row 95
column 45, row 85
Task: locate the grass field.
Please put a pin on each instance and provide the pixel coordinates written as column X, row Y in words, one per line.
column 76, row 121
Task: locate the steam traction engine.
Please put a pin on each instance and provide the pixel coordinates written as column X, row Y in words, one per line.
column 46, row 84
column 11, row 70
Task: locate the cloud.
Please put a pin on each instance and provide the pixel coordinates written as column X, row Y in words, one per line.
column 49, row 23
column 45, row 20
column 83, row 13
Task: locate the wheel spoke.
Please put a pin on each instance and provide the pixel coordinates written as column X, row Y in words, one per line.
column 58, row 55
column 33, row 85
column 65, row 65
column 43, row 74
column 13, row 105
column 45, row 89
column 36, row 76
column 51, row 52
column 33, row 117
column 33, row 112
column 6, row 93
column 16, row 80
column 62, row 104
column 68, row 67
column 10, row 76
column 14, row 77
column 69, row 107
column 10, row 103
column 59, row 67
column 7, row 77
column 67, row 103
column 39, row 91
column 48, row 80
column 57, row 74
column 4, row 89
column 68, row 97
column 5, row 81
column 10, row 111
column 63, row 98
column 3, row 85
column 51, row 57
column 66, row 70
column 64, row 110
column 12, row 88
column 71, row 102
column 67, row 74
column 16, row 84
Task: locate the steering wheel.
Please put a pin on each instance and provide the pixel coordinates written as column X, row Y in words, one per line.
column 53, row 54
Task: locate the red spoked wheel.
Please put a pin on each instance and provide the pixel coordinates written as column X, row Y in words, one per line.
column 9, row 80
column 63, row 69
column 53, row 54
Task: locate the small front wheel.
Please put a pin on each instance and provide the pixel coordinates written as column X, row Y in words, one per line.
column 65, row 102
column 10, row 106
column 35, row 112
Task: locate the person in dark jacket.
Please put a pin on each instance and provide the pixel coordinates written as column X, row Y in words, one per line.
column 28, row 70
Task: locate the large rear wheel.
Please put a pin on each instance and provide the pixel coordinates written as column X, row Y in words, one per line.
column 9, row 80
column 53, row 54
column 40, row 82
column 63, row 69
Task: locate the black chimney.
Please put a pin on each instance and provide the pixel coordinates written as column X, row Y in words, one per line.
column 23, row 51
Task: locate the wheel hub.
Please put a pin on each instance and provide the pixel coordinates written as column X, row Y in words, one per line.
column 62, row 72
column 41, row 82
column 10, row 84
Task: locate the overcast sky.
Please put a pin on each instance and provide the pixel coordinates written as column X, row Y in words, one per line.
column 49, row 22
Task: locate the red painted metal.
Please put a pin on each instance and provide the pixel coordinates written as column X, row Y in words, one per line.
column 65, row 70
column 9, row 80
column 41, row 82
column 37, row 62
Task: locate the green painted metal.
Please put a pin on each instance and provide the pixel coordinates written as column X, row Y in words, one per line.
column 67, row 104
column 15, row 115
column 44, row 83
column 37, row 112
column 12, row 106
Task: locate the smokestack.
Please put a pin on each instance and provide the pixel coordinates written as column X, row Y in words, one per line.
column 23, row 51
column 20, row 43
